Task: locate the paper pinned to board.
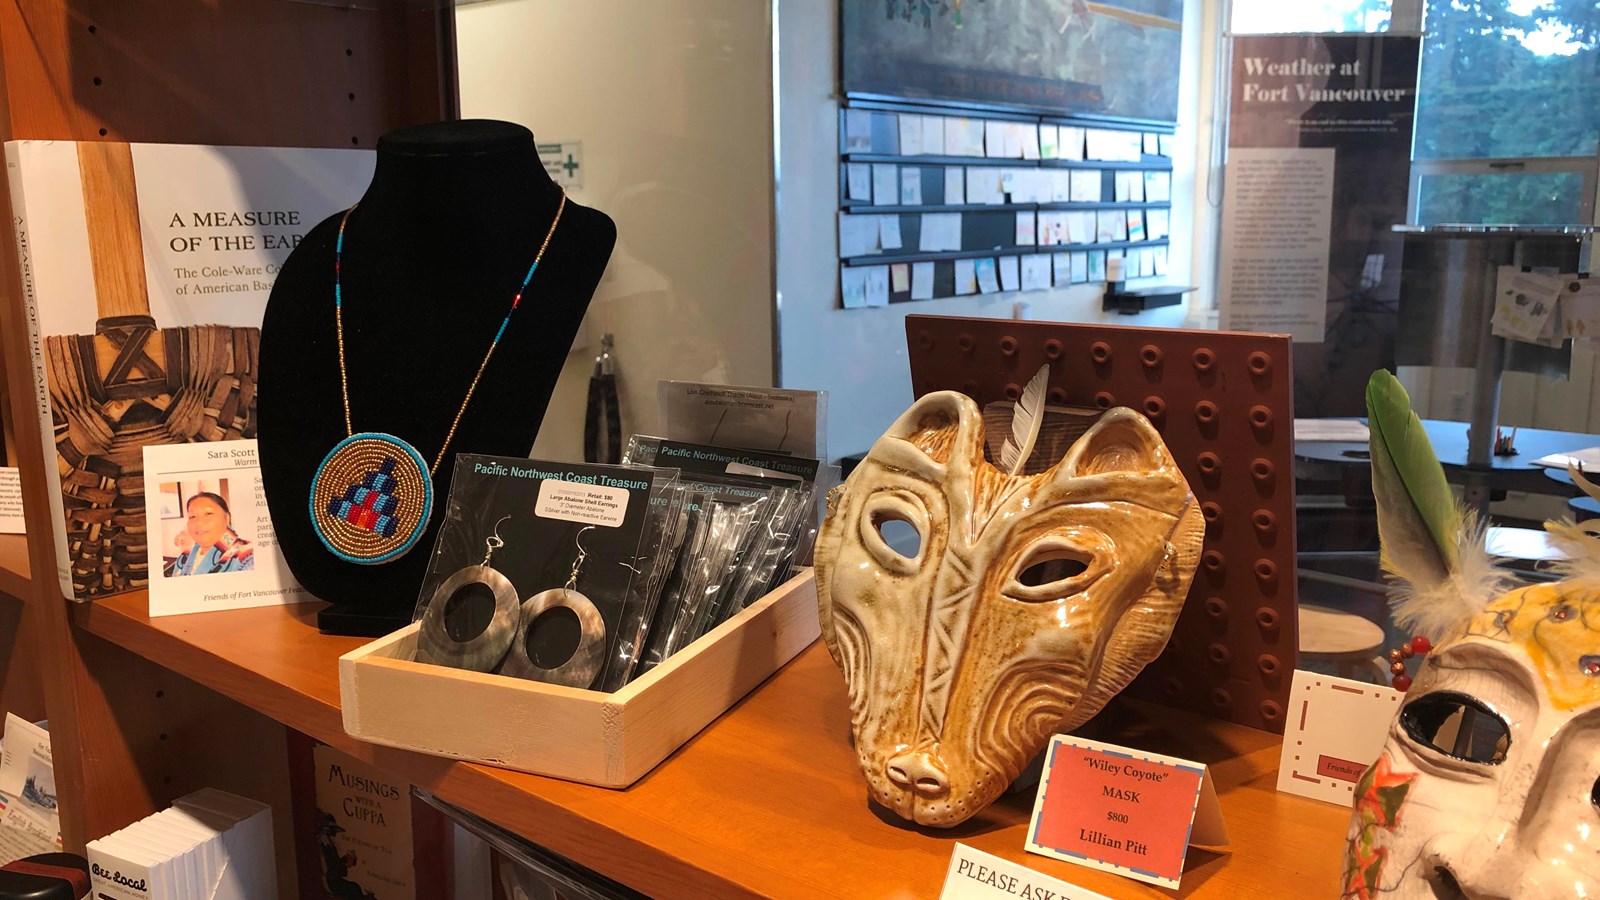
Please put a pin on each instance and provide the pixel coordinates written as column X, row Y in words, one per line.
column 940, row 231
column 910, row 135
column 1036, row 272
column 858, row 181
column 877, row 286
column 988, row 280
column 966, row 277
column 955, row 185
column 922, row 281
column 1351, row 431
column 1527, row 305
column 889, row 232
column 1010, row 274
column 857, row 131
column 885, row 184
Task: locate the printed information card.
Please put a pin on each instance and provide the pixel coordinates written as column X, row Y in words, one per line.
column 976, row 875
column 11, row 521
column 1336, row 729
column 1123, row 811
column 211, row 544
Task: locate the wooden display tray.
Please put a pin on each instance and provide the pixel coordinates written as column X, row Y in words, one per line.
column 610, row 740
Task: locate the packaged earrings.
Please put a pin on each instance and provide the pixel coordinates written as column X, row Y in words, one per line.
column 564, row 572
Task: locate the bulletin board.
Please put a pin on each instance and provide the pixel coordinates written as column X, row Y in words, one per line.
column 945, row 201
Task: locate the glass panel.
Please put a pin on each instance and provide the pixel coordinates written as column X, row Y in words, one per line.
column 1501, row 198
column 1507, row 78
column 1315, row 16
column 664, row 110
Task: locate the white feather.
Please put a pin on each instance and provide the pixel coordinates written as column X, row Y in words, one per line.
column 1581, row 544
column 1439, row 608
column 1026, row 419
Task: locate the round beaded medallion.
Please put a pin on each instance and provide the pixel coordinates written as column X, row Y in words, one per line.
column 371, row 498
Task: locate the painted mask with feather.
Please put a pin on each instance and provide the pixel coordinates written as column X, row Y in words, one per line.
column 1489, row 783
column 959, row 666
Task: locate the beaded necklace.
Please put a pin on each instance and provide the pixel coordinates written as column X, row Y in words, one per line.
column 372, row 495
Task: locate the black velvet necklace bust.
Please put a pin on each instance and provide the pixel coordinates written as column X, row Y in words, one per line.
column 432, row 257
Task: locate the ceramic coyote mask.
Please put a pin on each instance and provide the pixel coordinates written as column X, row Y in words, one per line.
column 1489, row 784
column 960, row 663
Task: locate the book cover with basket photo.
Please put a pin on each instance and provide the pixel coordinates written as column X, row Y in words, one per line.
column 146, row 269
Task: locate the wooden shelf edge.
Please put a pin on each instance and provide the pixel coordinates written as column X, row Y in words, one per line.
column 498, row 796
column 721, row 816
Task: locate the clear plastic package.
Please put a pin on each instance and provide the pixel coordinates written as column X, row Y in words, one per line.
column 663, row 533
column 534, row 571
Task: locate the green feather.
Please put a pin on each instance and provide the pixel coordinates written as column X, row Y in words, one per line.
column 1419, row 522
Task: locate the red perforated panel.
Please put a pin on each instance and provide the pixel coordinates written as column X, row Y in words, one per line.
column 1222, row 402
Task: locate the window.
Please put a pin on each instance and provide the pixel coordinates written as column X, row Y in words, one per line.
column 1316, row 16
column 1508, row 112
column 1509, row 78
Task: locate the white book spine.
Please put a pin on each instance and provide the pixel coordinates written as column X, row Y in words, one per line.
column 15, row 175
column 115, row 877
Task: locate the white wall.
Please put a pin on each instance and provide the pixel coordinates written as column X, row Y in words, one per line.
column 672, row 100
column 859, row 355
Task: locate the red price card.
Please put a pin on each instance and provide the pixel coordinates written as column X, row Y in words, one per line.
column 1123, row 811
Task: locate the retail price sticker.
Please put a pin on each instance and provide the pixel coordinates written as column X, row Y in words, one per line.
column 976, row 875
column 1122, row 810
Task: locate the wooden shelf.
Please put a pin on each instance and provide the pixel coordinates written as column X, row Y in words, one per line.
column 15, row 572
column 767, row 801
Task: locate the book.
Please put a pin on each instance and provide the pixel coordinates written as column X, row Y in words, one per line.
column 1587, row 459
column 146, row 269
column 363, row 830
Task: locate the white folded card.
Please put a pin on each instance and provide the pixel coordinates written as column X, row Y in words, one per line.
column 211, row 543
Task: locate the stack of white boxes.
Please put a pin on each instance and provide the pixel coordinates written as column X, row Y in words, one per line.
column 210, row 845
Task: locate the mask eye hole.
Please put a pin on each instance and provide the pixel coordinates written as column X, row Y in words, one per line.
column 894, row 528
column 901, row 536
column 1059, row 566
column 1045, row 571
column 1458, row 726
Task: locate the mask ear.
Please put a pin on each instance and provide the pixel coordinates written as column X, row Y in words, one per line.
column 941, row 432
column 1430, row 544
column 1121, row 441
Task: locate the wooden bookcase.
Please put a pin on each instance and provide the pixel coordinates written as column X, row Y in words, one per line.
column 127, row 735
column 767, row 801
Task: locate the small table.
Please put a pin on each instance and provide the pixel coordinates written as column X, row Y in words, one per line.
column 1345, row 639
column 1510, row 473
